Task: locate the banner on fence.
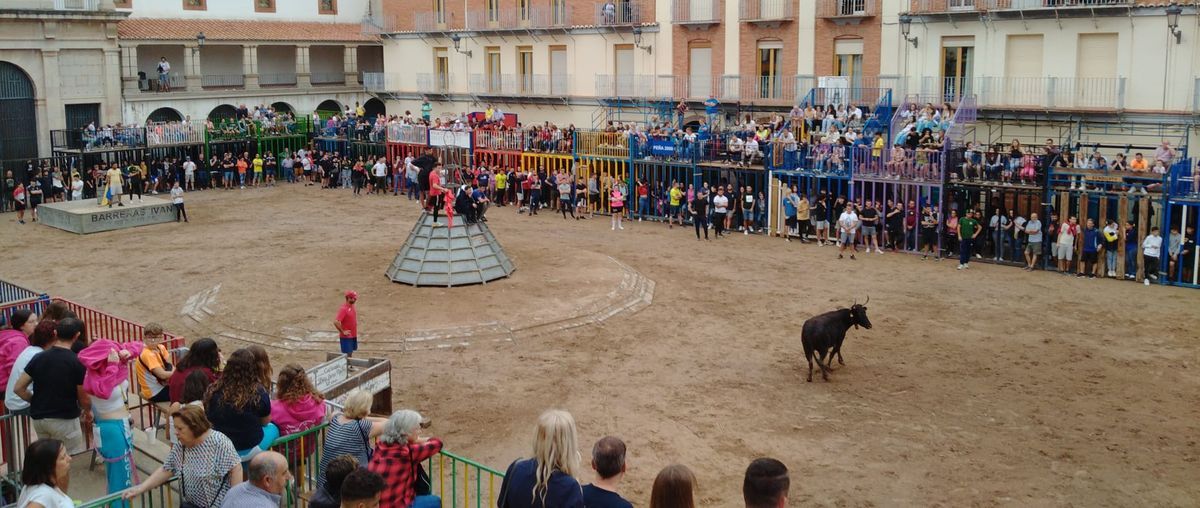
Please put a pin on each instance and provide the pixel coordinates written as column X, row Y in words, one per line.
column 439, row 137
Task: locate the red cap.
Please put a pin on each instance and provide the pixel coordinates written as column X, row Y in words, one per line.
column 352, row 294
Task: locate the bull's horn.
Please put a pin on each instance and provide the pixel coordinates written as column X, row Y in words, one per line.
column 868, row 300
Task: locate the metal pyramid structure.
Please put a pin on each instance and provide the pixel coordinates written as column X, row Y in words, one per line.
column 449, row 256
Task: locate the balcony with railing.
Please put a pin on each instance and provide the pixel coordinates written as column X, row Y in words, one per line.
column 433, row 84
column 429, row 21
column 213, row 81
column 328, row 78
column 768, row 90
column 766, row 12
column 951, row 6
column 617, row 13
column 696, row 13
column 277, row 79
column 77, row 5
column 847, row 10
column 531, row 18
column 1101, row 94
column 520, row 85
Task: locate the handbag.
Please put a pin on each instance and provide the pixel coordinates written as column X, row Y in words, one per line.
column 422, row 485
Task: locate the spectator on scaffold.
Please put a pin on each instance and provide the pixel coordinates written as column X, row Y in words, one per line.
column 547, row 480
column 350, row 432
column 239, row 406
column 59, row 405
column 398, row 456
column 106, row 381
column 346, row 323
column 766, row 484
column 608, row 460
column 204, row 459
column 204, row 356
column 674, row 487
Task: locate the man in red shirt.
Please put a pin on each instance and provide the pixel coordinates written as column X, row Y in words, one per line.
column 346, row 323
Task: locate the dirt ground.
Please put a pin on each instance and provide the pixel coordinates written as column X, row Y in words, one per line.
column 989, row 387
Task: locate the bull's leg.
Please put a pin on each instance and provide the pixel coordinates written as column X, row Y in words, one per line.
column 821, row 363
column 839, row 353
column 809, row 354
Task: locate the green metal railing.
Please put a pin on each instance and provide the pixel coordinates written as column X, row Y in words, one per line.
column 303, row 451
column 165, row 495
column 460, row 481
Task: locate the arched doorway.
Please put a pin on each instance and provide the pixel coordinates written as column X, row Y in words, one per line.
column 329, row 107
column 223, row 112
column 374, row 107
column 283, row 107
column 18, row 131
column 164, row 115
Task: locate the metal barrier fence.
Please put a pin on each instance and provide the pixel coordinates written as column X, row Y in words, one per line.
column 37, row 304
column 10, row 293
column 101, row 137
column 602, row 144
column 462, row 482
column 165, row 495
column 174, row 133
column 657, row 178
column 547, row 161
column 409, row 134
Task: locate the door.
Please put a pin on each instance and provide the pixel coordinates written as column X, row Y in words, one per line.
column 958, row 65
column 18, row 116
column 847, row 62
column 1096, row 83
column 492, row 68
column 771, row 9
column 558, row 70
column 769, row 59
column 441, row 69
column 700, row 10
column 1024, row 82
column 439, row 13
column 525, row 69
column 623, row 70
column 493, row 12
column 699, row 71
column 559, row 12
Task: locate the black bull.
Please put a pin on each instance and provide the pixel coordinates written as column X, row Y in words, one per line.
column 828, row 330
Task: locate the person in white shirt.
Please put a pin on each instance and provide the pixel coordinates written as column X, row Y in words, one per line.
column 847, row 226
column 379, row 171
column 749, row 152
column 76, row 187
column 177, row 200
column 735, row 149
column 189, row 173
column 720, row 209
column 1151, row 249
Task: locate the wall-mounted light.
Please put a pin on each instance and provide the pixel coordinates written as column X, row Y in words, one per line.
column 637, row 40
column 906, row 28
column 1173, row 12
column 200, row 38
column 457, row 40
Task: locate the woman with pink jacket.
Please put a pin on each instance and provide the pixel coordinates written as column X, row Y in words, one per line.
column 106, row 380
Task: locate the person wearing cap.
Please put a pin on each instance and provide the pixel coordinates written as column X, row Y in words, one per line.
column 398, row 454
column 346, row 323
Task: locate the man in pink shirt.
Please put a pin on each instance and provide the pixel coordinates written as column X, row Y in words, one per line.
column 346, row 323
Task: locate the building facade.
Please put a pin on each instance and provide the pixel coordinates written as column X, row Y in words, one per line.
column 295, row 55
column 59, row 66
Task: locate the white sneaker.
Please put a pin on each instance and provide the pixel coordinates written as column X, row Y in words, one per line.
column 877, row 251
column 621, row 227
column 1147, row 282
column 614, row 228
column 978, row 256
column 747, row 233
column 961, row 266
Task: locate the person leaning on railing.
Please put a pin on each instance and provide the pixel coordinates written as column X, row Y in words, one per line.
column 397, row 458
column 350, row 432
column 46, row 475
column 204, row 460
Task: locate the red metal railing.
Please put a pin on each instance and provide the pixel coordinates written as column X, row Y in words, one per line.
column 104, row 325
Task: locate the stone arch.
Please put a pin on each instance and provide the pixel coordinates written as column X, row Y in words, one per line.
column 374, row 107
column 164, row 114
column 330, row 105
column 283, row 107
column 222, row 112
column 17, row 104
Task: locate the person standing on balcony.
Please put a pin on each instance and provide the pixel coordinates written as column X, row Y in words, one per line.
column 164, row 75
column 426, row 110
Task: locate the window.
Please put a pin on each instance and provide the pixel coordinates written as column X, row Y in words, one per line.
column 958, row 65
column 559, row 12
column 525, row 68
column 264, row 5
column 699, row 69
column 558, row 70
column 195, row 5
column 439, row 12
column 492, row 68
column 441, row 69
column 623, row 70
column 326, row 6
column 523, row 10
column 123, row 4
column 848, row 60
column 493, row 11
column 769, row 85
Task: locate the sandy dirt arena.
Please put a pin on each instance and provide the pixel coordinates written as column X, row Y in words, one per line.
column 989, row 387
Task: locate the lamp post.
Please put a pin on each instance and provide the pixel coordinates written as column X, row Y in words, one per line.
column 1173, row 12
column 457, row 40
column 200, row 38
column 906, row 28
column 637, row 40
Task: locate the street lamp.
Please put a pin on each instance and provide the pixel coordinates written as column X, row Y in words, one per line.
column 457, row 40
column 1173, row 12
column 906, row 28
column 637, row 40
column 200, row 39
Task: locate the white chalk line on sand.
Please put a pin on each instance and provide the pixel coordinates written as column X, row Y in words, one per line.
column 632, row 294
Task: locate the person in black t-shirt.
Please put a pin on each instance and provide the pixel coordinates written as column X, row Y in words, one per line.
column 870, row 226
column 608, row 459
column 699, row 210
column 58, row 405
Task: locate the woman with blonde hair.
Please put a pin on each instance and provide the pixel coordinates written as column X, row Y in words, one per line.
column 350, row 432
column 547, row 479
column 673, row 488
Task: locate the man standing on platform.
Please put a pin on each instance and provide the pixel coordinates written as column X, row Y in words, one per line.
column 346, row 323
